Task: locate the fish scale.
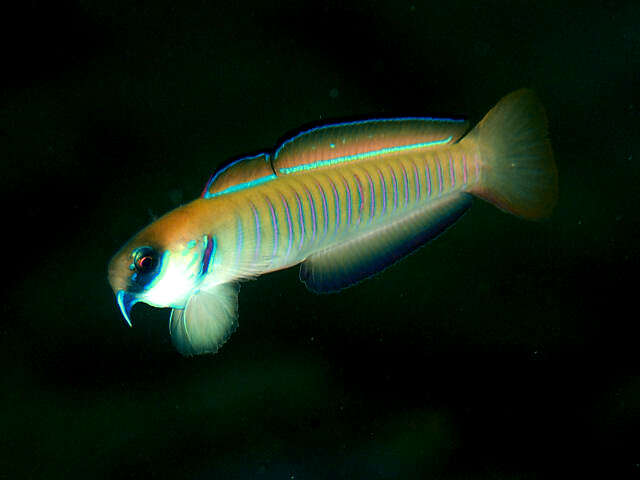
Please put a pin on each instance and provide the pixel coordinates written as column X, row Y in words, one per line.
column 290, row 220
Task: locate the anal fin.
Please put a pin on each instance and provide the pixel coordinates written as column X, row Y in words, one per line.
column 355, row 260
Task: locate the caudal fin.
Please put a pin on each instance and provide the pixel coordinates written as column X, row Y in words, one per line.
column 518, row 173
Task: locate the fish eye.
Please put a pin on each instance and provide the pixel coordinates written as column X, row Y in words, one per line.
column 145, row 260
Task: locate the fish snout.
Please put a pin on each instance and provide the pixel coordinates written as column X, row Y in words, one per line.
column 120, row 271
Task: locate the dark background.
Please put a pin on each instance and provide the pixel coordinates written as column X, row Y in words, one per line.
column 506, row 349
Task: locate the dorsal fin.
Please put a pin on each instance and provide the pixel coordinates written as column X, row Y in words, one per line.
column 243, row 173
column 345, row 142
column 351, row 262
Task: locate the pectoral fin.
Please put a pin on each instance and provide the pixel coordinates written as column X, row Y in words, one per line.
column 207, row 321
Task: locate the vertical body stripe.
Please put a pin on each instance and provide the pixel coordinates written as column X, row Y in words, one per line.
column 360, row 198
column 209, row 254
column 258, row 238
column 289, row 225
column 274, row 222
column 325, row 210
column 372, row 192
column 337, row 204
column 440, row 179
column 348, row 191
column 452, row 171
column 384, row 192
column 394, row 181
column 427, row 176
column 301, row 220
column 405, row 180
column 312, row 206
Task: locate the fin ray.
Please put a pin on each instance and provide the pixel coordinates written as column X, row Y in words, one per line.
column 354, row 141
column 240, row 174
column 207, row 321
column 518, row 172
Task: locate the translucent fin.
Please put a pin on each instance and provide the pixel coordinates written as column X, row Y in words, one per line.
column 356, row 141
column 238, row 175
column 518, row 172
column 208, row 320
column 351, row 262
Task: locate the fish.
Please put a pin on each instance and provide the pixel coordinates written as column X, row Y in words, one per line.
column 344, row 200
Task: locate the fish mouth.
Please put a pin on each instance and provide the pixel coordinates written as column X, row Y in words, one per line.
column 126, row 301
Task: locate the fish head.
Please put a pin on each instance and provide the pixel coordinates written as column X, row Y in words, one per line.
column 161, row 266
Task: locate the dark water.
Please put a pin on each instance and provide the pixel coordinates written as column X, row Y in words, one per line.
column 504, row 350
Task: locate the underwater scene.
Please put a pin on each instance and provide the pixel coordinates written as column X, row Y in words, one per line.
column 352, row 240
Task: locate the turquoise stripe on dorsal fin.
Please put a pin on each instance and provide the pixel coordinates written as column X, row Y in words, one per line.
column 240, row 174
column 355, row 260
column 331, row 145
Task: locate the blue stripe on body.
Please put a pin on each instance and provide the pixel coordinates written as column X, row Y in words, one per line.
column 209, row 254
column 258, row 236
column 383, row 185
column 360, row 197
column 337, row 204
column 372, row 192
column 289, row 224
column 405, row 181
column 325, row 210
column 440, row 179
column 313, row 214
column 452, row 170
column 301, row 220
column 274, row 222
column 348, row 191
column 239, row 240
column 394, row 182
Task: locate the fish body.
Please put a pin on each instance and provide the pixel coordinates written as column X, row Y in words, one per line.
column 344, row 200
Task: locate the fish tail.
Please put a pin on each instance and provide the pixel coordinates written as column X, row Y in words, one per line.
column 517, row 170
